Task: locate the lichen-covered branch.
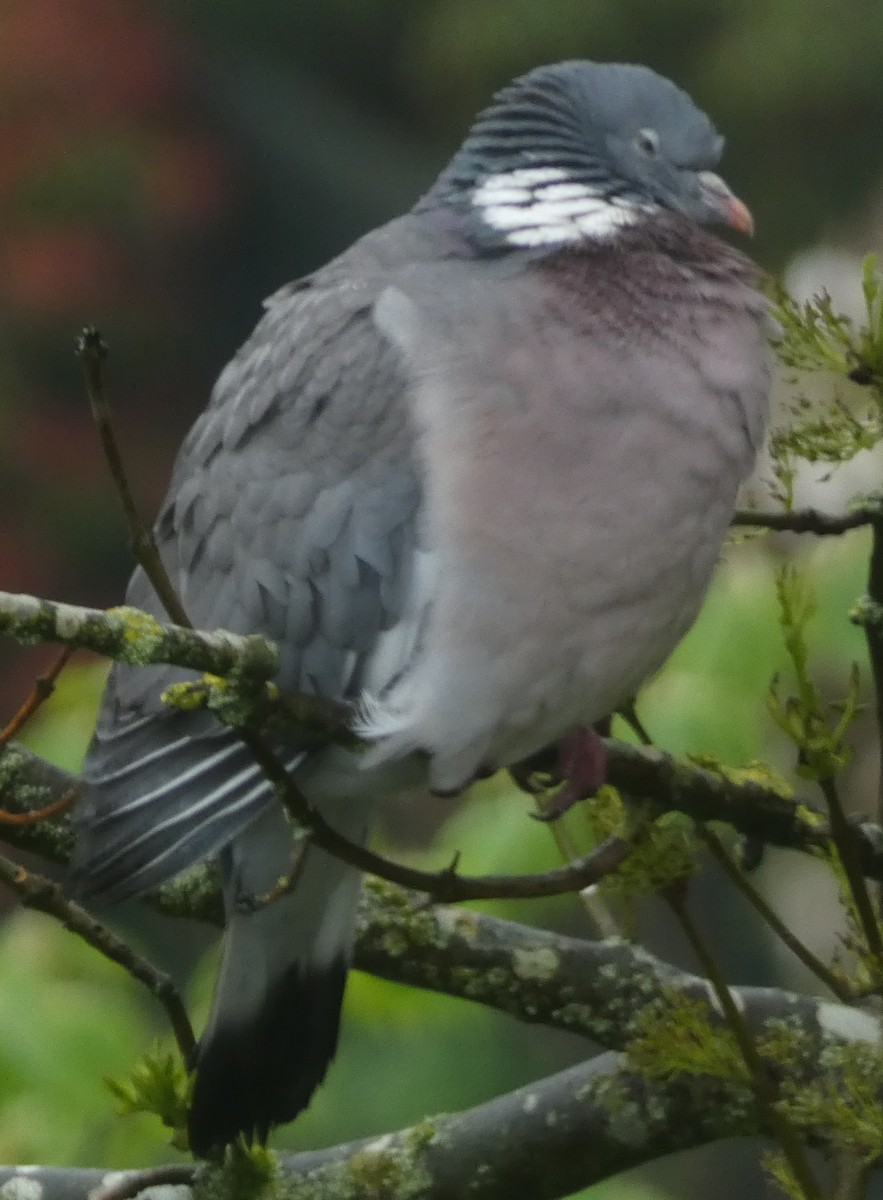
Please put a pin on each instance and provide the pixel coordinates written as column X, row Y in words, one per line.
column 27, row 784
column 599, row 989
column 544, row 1141
column 132, row 636
column 748, row 799
column 559, row 1134
column 541, row 1142
column 78, row 1183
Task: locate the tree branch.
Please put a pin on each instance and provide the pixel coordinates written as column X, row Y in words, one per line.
column 809, row 520
column 544, row 1141
column 535, row 975
column 44, row 686
column 580, row 1127
column 131, row 636
column 92, row 351
column 549, row 979
column 541, row 1142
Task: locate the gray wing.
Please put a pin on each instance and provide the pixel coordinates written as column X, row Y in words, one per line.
column 292, row 513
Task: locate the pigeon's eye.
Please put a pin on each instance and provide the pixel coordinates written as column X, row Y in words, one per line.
column 647, row 142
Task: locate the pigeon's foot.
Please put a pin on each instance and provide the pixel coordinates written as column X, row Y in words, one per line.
column 582, row 764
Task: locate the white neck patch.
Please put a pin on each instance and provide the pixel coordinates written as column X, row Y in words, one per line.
column 541, row 206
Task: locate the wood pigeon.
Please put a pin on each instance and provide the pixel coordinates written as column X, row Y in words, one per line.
column 474, row 476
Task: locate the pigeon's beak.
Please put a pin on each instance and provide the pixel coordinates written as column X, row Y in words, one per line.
column 724, row 205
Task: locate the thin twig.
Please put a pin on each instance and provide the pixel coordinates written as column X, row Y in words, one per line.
column 841, row 836
column 596, row 909
column 755, row 810
column 62, row 804
column 852, row 1178
column 38, row 892
column 44, row 686
column 444, row 887
column 92, row 351
column 283, row 886
column 629, row 714
column 874, row 638
column 762, row 1085
column 808, row 520
column 751, row 894
column 772, row 919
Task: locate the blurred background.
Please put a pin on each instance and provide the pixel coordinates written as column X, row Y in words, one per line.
column 163, row 167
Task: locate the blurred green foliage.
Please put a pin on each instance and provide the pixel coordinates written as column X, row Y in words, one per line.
column 68, row 1018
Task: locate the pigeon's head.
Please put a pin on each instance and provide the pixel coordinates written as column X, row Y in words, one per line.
column 577, row 150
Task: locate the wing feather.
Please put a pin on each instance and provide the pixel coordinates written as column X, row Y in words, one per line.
column 292, row 513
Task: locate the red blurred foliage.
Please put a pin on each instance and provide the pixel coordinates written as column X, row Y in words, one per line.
column 30, row 141
column 55, row 272
column 24, row 565
column 112, row 190
column 91, row 58
column 76, row 75
column 186, row 182
column 60, row 445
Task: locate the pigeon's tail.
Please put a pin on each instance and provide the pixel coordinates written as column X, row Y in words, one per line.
column 275, row 1016
column 164, row 794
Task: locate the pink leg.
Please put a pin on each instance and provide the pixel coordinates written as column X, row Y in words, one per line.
column 582, row 764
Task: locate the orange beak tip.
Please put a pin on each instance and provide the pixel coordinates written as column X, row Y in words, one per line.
column 739, row 217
